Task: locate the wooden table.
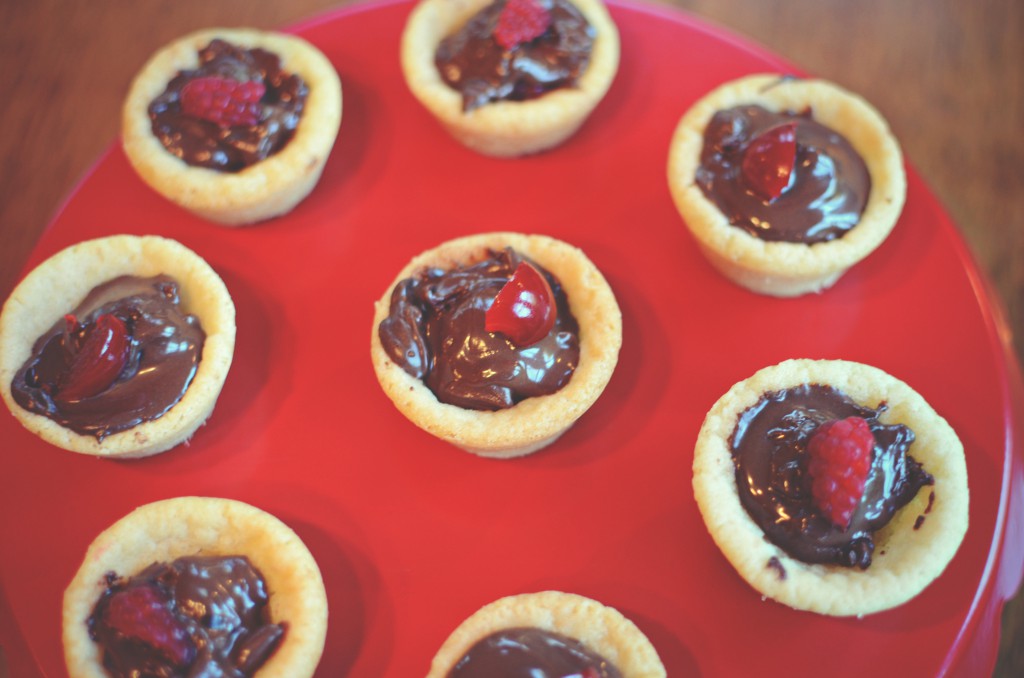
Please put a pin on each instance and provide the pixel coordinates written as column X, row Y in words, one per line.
column 948, row 75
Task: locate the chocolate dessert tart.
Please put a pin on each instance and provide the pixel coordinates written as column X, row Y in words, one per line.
column 492, row 391
column 231, row 586
column 772, row 474
column 518, row 95
column 117, row 347
column 551, row 632
column 785, row 183
column 234, row 125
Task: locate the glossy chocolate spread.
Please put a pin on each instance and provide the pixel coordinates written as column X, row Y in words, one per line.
column 203, row 143
column 435, row 332
column 166, row 345
column 828, row 187
column 531, row 653
column 222, row 604
column 769, row 448
column 473, row 63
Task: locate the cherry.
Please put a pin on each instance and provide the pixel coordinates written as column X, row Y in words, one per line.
column 141, row 614
column 524, row 309
column 96, row 363
column 768, row 161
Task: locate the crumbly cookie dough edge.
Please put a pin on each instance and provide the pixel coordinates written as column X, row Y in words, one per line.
column 534, row 422
column 780, row 268
column 93, row 262
column 907, row 558
column 186, row 526
column 267, row 189
column 504, row 129
column 603, row 629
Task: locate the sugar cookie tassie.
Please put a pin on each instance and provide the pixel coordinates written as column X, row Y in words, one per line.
column 196, row 586
column 510, row 77
column 496, row 343
column 233, row 124
column 117, row 347
column 549, row 633
column 785, row 183
column 831, row 486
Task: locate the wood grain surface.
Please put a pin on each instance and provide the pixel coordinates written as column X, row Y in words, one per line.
column 947, row 74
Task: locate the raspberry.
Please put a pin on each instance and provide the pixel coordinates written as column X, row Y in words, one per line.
column 141, row 613
column 223, row 101
column 521, row 21
column 839, row 455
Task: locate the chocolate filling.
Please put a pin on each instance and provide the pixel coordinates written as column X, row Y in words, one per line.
column 531, row 653
column 828, row 187
column 435, row 332
column 769, row 447
column 473, row 63
column 221, row 602
column 203, row 143
column 166, row 345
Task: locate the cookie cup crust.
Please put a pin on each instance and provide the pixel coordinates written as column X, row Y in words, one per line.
column 60, row 283
column 504, row 128
column 788, row 269
column 266, row 189
column 906, row 558
column 534, row 422
column 600, row 628
column 204, row 526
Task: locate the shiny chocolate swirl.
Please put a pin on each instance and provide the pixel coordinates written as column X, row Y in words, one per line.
column 472, row 62
column 203, row 143
column 435, row 332
column 165, row 347
column 769, row 447
column 828, row 187
column 531, row 653
column 220, row 616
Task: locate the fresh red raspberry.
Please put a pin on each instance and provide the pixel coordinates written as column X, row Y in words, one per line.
column 840, row 454
column 223, row 101
column 521, row 21
column 141, row 613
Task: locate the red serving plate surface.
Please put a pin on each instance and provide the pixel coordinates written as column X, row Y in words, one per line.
column 413, row 535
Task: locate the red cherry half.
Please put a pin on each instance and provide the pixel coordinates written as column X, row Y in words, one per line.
column 768, row 161
column 98, row 361
column 140, row 613
column 524, row 309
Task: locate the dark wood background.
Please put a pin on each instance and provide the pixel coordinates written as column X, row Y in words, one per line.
column 947, row 74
